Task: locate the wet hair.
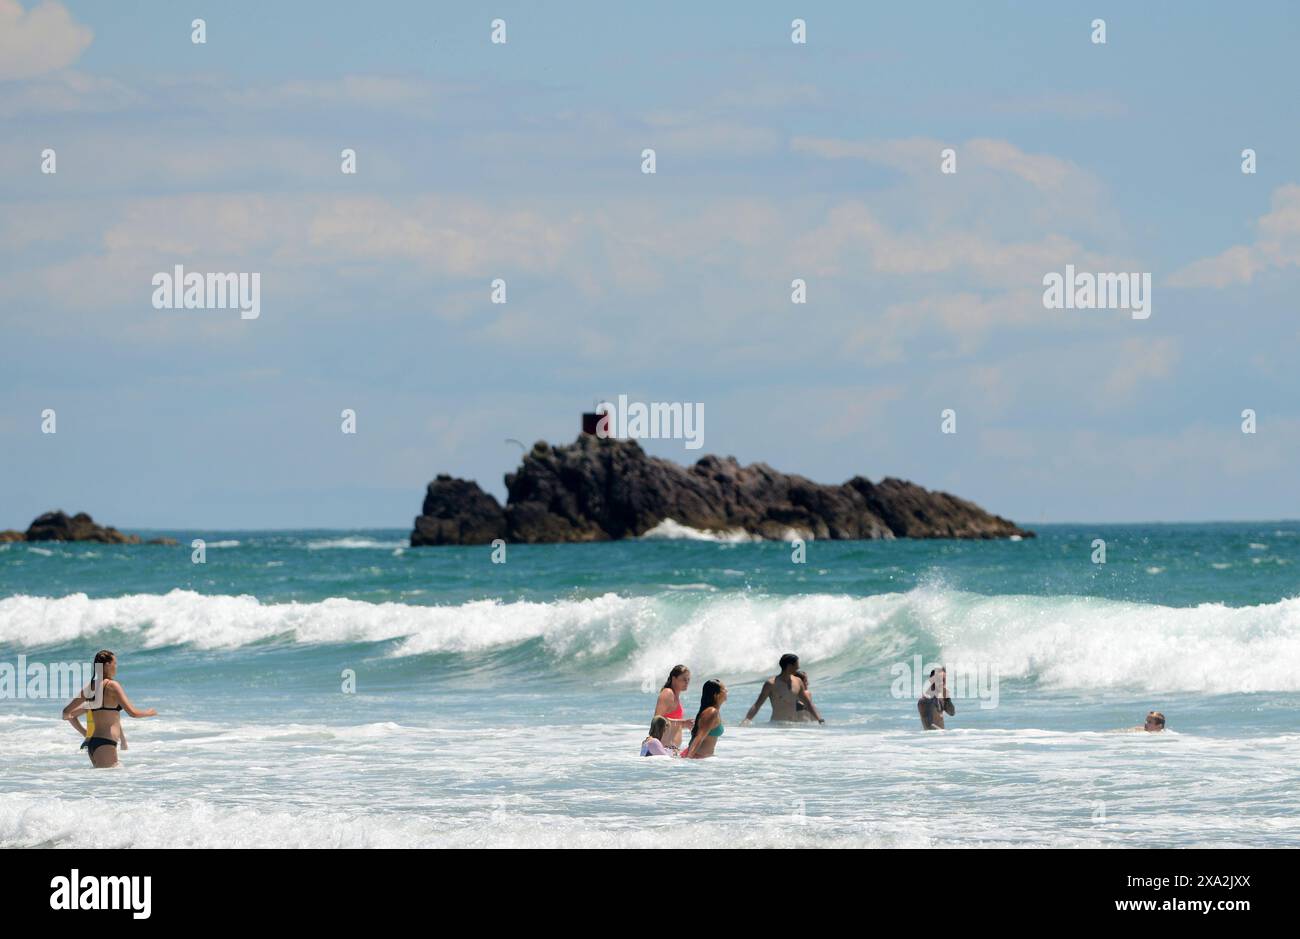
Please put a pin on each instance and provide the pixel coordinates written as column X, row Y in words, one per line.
column 787, row 660
column 708, row 695
column 934, row 685
column 1157, row 717
column 658, row 727
column 102, row 657
column 676, row 671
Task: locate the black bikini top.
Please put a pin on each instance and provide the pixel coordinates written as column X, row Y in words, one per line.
column 118, row 708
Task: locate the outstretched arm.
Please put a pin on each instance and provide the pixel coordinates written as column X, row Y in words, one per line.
column 762, row 696
column 129, row 707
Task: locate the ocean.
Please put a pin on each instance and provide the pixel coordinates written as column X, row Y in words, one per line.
column 323, row 689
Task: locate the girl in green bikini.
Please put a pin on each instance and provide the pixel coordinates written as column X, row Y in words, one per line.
column 708, row 722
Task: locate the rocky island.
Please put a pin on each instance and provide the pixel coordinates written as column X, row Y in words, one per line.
column 604, row 489
column 59, row 526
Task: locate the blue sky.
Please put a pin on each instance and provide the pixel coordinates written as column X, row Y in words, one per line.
column 522, row 161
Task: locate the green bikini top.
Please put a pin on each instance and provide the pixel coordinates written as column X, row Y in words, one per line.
column 717, row 731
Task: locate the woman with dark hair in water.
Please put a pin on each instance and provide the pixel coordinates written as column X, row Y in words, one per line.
column 934, row 701
column 669, row 705
column 102, row 701
column 708, row 721
column 800, row 709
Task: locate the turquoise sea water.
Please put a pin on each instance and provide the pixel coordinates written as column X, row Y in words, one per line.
column 504, row 703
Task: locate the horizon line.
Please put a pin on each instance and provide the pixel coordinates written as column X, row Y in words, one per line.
column 127, row 529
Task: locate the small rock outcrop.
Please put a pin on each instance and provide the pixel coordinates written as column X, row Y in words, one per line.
column 58, row 526
column 457, row 511
column 604, row 489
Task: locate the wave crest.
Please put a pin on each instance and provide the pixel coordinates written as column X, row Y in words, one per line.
column 1055, row 642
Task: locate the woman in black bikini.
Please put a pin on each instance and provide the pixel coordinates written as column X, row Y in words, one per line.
column 102, row 705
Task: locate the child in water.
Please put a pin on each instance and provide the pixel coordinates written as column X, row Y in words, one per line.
column 653, row 745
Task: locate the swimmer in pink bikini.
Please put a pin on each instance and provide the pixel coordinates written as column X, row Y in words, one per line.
column 669, row 706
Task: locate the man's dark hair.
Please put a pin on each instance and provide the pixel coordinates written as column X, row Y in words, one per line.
column 788, row 660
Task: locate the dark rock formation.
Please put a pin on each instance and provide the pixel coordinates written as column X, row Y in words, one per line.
column 911, row 511
column 602, row 489
column 169, row 542
column 57, row 526
column 457, row 511
column 9, row 535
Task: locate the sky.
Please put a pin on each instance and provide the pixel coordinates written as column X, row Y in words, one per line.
column 522, row 161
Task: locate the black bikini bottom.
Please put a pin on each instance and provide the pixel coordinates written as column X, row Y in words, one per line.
column 94, row 743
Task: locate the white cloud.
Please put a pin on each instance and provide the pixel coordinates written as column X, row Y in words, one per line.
column 1136, row 361
column 1276, row 247
column 919, row 156
column 998, row 189
column 672, row 134
column 68, row 92
column 957, row 324
column 853, row 236
column 370, row 91
column 43, row 39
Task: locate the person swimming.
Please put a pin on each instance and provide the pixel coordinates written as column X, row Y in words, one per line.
column 785, row 691
column 1154, row 724
column 102, row 702
column 669, row 705
column 708, row 721
column 653, row 745
column 934, row 701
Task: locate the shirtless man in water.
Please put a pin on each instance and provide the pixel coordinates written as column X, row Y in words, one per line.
column 786, row 692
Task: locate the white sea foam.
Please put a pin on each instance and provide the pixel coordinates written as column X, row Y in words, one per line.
column 324, row 544
column 196, row 823
column 444, row 785
column 672, row 530
column 1060, row 642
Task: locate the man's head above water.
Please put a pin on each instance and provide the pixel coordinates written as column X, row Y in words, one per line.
column 789, row 663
